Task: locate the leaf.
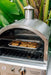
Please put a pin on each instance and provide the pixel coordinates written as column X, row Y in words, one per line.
column 50, row 42
column 49, row 22
column 46, row 10
column 4, row 14
column 9, row 7
column 49, row 4
column 32, row 3
column 3, row 21
column 41, row 10
column 20, row 6
column 50, row 15
column 22, row 2
column 8, row 11
column 25, row 2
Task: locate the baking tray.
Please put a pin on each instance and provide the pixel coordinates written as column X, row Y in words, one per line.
column 22, row 46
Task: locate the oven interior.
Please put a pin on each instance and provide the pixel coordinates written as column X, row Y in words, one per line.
column 19, row 52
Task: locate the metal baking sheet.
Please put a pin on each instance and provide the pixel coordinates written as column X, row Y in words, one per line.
column 22, row 47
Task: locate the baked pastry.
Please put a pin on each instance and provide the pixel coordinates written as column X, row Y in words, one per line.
column 25, row 44
column 15, row 43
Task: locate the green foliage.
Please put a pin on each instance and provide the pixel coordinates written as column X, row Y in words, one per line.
column 7, row 12
column 46, row 10
column 49, row 22
column 20, row 6
column 31, row 2
column 3, row 20
column 41, row 10
column 25, row 2
column 50, row 43
column 49, row 4
column 49, row 19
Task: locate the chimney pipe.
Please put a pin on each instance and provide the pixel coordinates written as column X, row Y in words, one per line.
column 29, row 12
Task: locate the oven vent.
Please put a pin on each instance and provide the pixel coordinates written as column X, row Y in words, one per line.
column 29, row 12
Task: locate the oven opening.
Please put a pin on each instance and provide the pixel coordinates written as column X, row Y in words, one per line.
column 21, row 43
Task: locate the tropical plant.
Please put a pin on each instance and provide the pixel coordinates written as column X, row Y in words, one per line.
column 49, row 18
column 14, row 9
column 46, row 10
column 8, row 12
column 41, row 10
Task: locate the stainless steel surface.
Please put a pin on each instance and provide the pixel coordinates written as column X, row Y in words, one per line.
column 6, row 69
column 49, row 65
column 32, row 25
column 41, row 66
column 37, row 41
column 29, row 12
column 39, row 28
column 23, row 60
column 28, row 7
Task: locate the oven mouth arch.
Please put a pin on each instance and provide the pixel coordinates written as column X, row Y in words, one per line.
column 23, row 27
column 32, row 30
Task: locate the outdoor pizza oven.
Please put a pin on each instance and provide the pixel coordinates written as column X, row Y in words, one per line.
column 25, row 40
column 26, row 30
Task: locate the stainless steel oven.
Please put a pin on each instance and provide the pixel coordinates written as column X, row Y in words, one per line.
column 24, row 45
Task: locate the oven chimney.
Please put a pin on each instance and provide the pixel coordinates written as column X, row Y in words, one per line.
column 29, row 12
